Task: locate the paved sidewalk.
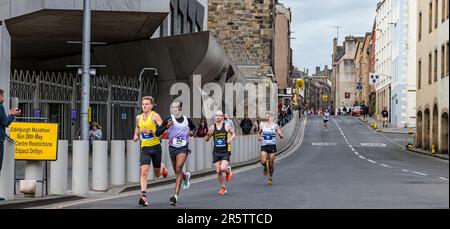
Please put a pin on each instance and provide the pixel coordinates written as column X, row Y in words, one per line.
column 392, row 130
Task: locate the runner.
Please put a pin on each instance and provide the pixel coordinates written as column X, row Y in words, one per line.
column 267, row 135
column 179, row 128
column 326, row 119
column 150, row 145
column 223, row 136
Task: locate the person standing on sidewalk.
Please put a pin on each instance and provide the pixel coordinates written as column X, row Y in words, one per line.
column 5, row 121
column 385, row 117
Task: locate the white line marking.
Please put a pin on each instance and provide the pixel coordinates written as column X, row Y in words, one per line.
column 387, row 166
column 443, row 178
column 362, row 157
column 372, row 161
column 356, row 153
column 353, row 149
column 423, row 174
column 404, row 170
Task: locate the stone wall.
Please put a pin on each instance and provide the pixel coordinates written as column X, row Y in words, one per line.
column 244, row 29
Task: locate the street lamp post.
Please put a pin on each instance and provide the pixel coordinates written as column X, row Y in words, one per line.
column 85, row 94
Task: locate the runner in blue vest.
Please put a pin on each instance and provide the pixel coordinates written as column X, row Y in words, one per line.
column 179, row 128
column 267, row 136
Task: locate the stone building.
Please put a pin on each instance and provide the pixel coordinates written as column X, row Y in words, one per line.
column 344, row 73
column 363, row 65
column 433, row 75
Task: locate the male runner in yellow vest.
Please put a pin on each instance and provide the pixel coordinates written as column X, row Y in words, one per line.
column 150, row 145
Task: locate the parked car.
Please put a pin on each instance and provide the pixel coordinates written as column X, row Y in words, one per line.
column 357, row 111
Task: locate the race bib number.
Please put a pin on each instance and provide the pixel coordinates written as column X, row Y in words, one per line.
column 147, row 136
column 268, row 137
column 220, row 142
column 179, row 142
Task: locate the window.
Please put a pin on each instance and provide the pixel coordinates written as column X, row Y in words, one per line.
column 444, row 10
column 435, row 65
column 430, row 18
column 190, row 25
column 443, row 61
column 447, row 61
column 436, row 12
column 420, row 26
column 172, row 21
column 180, row 22
column 419, row 74
column 430, row 70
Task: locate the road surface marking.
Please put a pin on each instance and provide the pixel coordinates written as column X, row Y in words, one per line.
column 404, row 170
column 362, row 157
column 443, row 178
column 387, row 166
column 374, row 144
column 324, row 143
column 372, row 161
column 423, row 174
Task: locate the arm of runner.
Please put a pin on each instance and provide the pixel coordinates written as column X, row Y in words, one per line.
column 136, row 130
column 210, row 132
column 231, row 131
column 160, row 129
column 278, row 129
column 259, row 134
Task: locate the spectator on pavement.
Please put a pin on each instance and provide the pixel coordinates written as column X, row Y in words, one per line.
column 202, row 129
column 246, row 125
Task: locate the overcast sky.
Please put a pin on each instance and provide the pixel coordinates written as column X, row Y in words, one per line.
column 313, row 22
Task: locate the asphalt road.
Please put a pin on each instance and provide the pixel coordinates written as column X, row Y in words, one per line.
column 349, row 166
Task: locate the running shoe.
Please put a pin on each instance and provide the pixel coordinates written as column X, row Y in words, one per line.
column 143, row 200
column 222, row 191
column 186, row 184
column 229, row 175
column 164, row 171
column 174, row 200
column 269, row 181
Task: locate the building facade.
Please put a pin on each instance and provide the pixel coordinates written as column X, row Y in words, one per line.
column 395, row 60
column 365, row 94
column 282, row 50
column 345, row 74
column 432, row 75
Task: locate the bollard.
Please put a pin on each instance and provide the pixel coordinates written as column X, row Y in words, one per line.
column 191, row 157
column 58, row 170
column 80, row 167
column 117, row 162
column 199, row 154
column 237, row 146
column 208, row 157
column 100, row 165
column 7, row 173
column 133, row 153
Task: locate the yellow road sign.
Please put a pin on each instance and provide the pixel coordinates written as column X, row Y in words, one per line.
column 34, row 141
column 300, row 84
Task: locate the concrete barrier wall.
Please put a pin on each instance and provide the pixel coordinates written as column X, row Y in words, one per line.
column 124, row 161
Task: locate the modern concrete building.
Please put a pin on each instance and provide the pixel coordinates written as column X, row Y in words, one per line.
column 35, row 51
column 433, row 75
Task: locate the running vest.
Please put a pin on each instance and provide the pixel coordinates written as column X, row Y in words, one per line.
column 179, row 133
column 148, row 140
column 326, row 116
column 269, row 135
column 220, row 139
